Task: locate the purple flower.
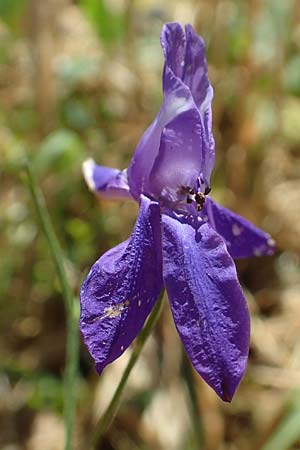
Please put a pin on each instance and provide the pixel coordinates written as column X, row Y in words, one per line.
column 182, row 239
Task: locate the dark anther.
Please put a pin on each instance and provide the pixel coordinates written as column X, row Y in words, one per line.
column 197, row 197
column 207, row 190
column 200, row 198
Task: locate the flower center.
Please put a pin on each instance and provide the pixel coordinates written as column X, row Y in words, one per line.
column 195, row 196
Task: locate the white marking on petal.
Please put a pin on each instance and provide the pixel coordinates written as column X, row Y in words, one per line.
column 271, row 242
column 113, row 311
column 177, row 105
column 174, row 106
column 258, row 251
column 122, row 347
column 207, row 101
column 88, row 171
column 139, row 303
column 236, row 229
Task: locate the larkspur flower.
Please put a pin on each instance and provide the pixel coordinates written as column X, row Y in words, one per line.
column 182, row 239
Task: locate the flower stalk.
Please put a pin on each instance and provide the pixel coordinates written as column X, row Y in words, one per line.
column 70, row 306
column 108, row 416
column 194, row 407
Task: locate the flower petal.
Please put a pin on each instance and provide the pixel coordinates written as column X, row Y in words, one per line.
column 122, row 288
column 185, row 56
column 242, row 238
column 105, row 181
column 173, row 43
column 208, row 305
column 184, row 61
column 195, row 67
column 143, row 158
column 177, row 100
column 180, row 157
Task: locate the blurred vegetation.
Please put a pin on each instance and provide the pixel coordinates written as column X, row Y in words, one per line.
column 83, row 79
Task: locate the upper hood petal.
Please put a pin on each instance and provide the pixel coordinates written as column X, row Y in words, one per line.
column 177, row 99
column 173, row 43
column 183, row 54
column 179, row 161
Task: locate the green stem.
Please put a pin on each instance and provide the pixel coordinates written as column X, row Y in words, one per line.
column 105, row 421
column 193, row 403
column 71, row 316
column 287, row 434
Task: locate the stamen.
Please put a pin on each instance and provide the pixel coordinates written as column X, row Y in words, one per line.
column 198, row 197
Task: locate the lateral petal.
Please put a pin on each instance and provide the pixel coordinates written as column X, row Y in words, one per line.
column 208, row 305
column 242, row 238
column 121, row 289
column 105, row 181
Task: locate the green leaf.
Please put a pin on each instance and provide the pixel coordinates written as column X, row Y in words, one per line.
column 74, row 70
column 60, row 150
column 47, row 393
column 108, row 24
column 288, row 431
column 11, row 10
column 291, row 76
column 290, row 118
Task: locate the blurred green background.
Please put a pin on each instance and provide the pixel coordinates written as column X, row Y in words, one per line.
column 82, row 79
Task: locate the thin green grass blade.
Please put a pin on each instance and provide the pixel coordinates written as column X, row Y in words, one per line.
column 70, row 305
column 288, row 431
column 108, row 416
